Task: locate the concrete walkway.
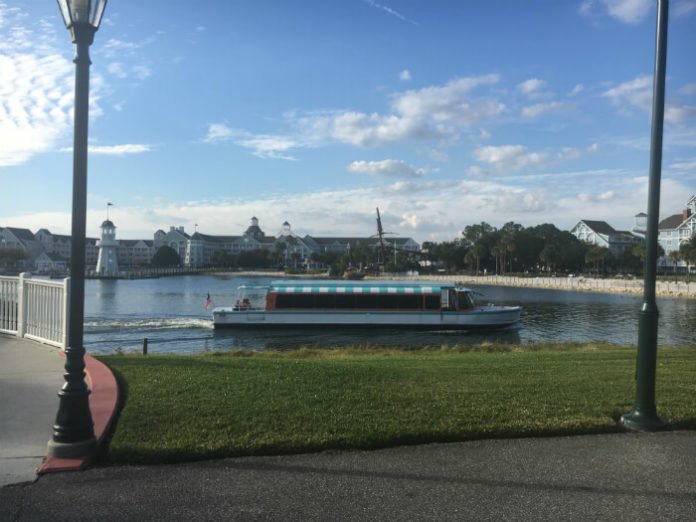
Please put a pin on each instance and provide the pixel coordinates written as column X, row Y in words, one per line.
column 31, row 375
column 647, row 476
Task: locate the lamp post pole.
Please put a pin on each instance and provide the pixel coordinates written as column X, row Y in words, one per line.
column 73, row 431
column 643, row 416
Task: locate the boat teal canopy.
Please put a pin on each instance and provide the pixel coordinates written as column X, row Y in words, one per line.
column 361, row 287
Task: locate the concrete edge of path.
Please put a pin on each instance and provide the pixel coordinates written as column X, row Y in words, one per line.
column 103, row 401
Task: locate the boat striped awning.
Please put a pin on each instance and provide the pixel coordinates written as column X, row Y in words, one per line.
column 355, row 289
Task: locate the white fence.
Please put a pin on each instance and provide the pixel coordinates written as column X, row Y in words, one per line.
column 35, row 309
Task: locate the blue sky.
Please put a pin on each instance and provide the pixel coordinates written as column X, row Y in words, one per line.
column 440, row 113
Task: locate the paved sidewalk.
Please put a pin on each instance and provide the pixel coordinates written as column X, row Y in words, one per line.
column 31, row 375
column 648, row 476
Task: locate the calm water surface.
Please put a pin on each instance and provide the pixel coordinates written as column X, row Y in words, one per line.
column 170, row 313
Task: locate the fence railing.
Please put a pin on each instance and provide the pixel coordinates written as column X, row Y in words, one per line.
column 35, row 309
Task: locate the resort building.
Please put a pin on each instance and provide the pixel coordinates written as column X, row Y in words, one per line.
column 56, row 246
column 676, row 230
column 108, row 255
column 602, row 234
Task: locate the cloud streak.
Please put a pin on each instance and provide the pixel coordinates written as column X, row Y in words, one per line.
column 430, row 114
column 388, row 168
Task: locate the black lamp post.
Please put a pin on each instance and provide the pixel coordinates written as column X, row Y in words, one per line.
column 643, row 416
column 73, row 431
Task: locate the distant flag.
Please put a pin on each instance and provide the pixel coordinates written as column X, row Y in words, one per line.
column 208, row 302
column 109, row 204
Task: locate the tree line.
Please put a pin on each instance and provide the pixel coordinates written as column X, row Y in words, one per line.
column 512, row 248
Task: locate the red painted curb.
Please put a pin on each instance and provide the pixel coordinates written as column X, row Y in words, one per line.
column 102, row 404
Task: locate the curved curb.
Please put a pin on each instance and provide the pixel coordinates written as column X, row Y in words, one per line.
column 103, row 400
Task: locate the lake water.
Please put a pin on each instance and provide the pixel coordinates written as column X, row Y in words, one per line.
column 170, row 313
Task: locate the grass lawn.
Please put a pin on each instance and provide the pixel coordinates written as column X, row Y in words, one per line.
column 180, row 408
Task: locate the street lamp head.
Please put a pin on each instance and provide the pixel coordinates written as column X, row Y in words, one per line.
column 82, row 13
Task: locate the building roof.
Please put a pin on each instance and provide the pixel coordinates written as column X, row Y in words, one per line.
column 641, row 214
column 133, row 242
column 600, row 227
column 108, row 223
column 215, row 239
column 342, row 240
column 52, row 256
column 254, row 231
column 671, row 222
column 23, row 234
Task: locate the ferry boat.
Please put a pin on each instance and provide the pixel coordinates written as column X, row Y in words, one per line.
column 418, row 305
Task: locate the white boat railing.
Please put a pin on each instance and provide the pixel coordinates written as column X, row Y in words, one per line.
column 35, row 309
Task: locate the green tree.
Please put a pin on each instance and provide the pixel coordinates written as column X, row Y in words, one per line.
column 258, row 258
column 10, row 258
column 687, row 251
column 222, row 259
column 166, row 257
column 550, row 257
column 597, row 256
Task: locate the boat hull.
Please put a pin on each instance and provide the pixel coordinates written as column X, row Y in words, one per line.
column 488, row 317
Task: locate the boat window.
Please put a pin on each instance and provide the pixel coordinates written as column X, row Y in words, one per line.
column 466, row 300
column 357, row 301
column 251, row 299
column 432, row 302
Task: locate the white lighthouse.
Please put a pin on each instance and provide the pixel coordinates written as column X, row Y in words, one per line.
column 107, row 262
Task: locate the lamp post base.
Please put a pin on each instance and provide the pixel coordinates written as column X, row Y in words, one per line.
column 637, row 421
column 72, row 450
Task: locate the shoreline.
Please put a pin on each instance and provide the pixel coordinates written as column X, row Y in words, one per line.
column 678, row 289
column 579, row 284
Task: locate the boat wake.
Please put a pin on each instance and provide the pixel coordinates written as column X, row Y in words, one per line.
column 151, row 323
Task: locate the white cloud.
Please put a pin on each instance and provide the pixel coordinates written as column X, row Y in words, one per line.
column 571, row 153
column 117, row 150
column 405, row 76
column 387, row 10
column 684, row 7
column 628, row 11
column 679, row 114
column 448, row 103
column 422, row 208
column 117, row 69
column 430, row 114
column 534, row 111
column 141, row 71
column 115, row 47
column 689, row 88
column 576, row 90
column 509, row 158
column 36, row 92
column 269, row 146
column 638, row 93
column 388, row 168
column 533, row 85
column 36, row 89
column 218, row 132
column 587, row 197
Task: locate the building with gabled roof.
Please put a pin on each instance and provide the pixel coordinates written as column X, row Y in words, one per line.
column 675, row 230
column 601, row 233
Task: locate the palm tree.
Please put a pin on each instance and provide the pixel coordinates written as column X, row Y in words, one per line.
column 687, row 251
column 496, row 251
column 597, row 255
column 674, row 257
